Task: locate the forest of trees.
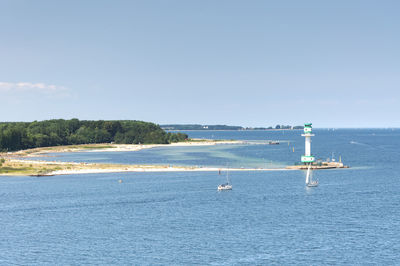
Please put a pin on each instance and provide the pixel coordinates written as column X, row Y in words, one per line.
column 25, row 135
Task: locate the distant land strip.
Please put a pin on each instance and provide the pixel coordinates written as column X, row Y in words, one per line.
column 223, row 127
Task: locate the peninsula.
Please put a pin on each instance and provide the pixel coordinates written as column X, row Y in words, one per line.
column 21, row 140
column 18, row 163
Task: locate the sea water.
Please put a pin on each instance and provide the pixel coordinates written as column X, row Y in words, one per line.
column 180, row 218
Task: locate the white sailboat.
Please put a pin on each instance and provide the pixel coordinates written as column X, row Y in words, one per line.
column 309, row 181
column 227, row 185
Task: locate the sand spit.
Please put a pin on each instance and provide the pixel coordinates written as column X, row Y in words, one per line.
column 48, row 168
column 25, row 167
column 110, row 147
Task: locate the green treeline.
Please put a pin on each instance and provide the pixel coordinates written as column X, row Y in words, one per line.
column 26, row 135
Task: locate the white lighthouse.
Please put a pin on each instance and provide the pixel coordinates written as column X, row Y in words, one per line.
column 307, row 157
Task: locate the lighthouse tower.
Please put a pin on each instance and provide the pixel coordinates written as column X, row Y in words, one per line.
column 307, row 157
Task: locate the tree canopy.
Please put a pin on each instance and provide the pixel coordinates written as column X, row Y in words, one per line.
column 26, row 135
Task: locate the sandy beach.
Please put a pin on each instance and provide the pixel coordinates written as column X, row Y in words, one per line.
column 46, row 168
column 110, row 147
column 18, row 164
column 15, row 165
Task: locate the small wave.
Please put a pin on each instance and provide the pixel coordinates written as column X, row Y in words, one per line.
column 358, row 143
column 88, row 205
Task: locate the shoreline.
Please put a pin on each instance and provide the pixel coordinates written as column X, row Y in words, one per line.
column 13, row 166
column 49, row 168
column 271, row 129
column 111, row 147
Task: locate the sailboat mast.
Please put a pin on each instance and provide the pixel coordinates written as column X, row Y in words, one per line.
column 308, row 174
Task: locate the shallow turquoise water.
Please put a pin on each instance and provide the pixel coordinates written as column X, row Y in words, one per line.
column 180, row 218
column 251, row 155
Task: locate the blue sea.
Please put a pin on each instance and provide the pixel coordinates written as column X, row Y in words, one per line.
column 179, row 218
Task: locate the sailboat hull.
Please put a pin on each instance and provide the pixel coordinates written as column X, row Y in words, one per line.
column 227, row 185
column 224, row 187
column 313, row 184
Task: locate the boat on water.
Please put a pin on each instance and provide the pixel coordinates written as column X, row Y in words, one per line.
column 227, row 185
column 313, row 184
column 309, row 181
column 273, row 142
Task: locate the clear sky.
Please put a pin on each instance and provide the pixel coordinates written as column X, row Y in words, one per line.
column 249, row 63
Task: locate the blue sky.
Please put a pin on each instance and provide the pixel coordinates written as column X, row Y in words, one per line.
column 249, row 63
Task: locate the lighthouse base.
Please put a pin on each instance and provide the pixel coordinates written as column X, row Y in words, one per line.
column 307, row 159
column 318, row 166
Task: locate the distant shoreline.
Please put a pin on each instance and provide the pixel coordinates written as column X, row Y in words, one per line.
column 230, row 129
column 224, row 127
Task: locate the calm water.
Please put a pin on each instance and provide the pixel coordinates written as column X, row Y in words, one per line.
column 180, row 218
